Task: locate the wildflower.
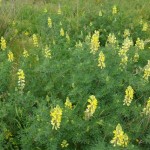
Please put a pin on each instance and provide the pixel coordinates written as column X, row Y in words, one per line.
column 8, row 134
column 54, row 42
column 128, row 96
column 25, row 53
column 79, row 44
column 10, row 56
column 127, row 43
column 59, row 10
column 101, row 60
column 91, row 107
column 3, row 43
column 13, row 23
column 47, row 52
column 21, row 80
column 60, row 23
column 67, row 37
column 141, row 22
column 37, row 58
column 87, row 39
column 95, row 42
column 35, row 40
column 68, row 103
column 122, row 52
column 124, row 60
column 111, row 39
column 45, row 10
column 120, row 138
column 26, row 33
column 139, row 44
column 64, row 144
column 114, row 10
column 16, row 31
column 147, row 71
column 126, row 140
column 62, row 33
column 145, row 27
column 56, row 115
column 136, row 57
column 146, row 110
column 91, row 23
column 126, row 33
column 49, row 22
column 100, row 13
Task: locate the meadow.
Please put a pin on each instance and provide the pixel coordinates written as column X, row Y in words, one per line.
column 74, row 75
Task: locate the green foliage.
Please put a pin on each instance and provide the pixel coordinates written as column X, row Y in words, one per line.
column 72, row 71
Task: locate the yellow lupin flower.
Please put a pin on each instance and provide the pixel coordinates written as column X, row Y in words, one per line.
column 91, row 23
column 111, row 39
column 127, row 43
column 145, row 26
column 120, row 138
column 45, row 10
column 95, row 44
column 101, row 60
column 3, row 43
column 21, row 80
column 147, row 71
column 67, row 37
column 68, row 103
column 54, row 42
column 8, row 134
column 91, row 107
column 126, row 33
column 47, row 52
column 124, row 60
column 136, row 57
column 114, row 10
column 141, row 21
column 26, row 33
column 56, row 115
column 25, row 53
column 64, row 144
column 35, row 40
column 79, row 44
column 59, row 10
column 129, row 93
column 122, row 52
column 10, row 56
column 49, row 22
column 146, row 110
column 88, row 39
column 139, row 44
column 100, row 13
column 62, row 33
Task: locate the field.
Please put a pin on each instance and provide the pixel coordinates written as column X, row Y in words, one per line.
column 74, row 75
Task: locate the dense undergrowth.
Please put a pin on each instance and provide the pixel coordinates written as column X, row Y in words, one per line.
column 74, row 75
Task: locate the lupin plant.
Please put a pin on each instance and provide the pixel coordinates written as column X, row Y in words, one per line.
column 74, row 78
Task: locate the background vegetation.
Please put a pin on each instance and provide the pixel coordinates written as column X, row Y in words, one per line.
column 69, row 69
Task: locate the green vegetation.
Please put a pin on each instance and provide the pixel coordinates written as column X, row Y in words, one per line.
column 74, row 75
